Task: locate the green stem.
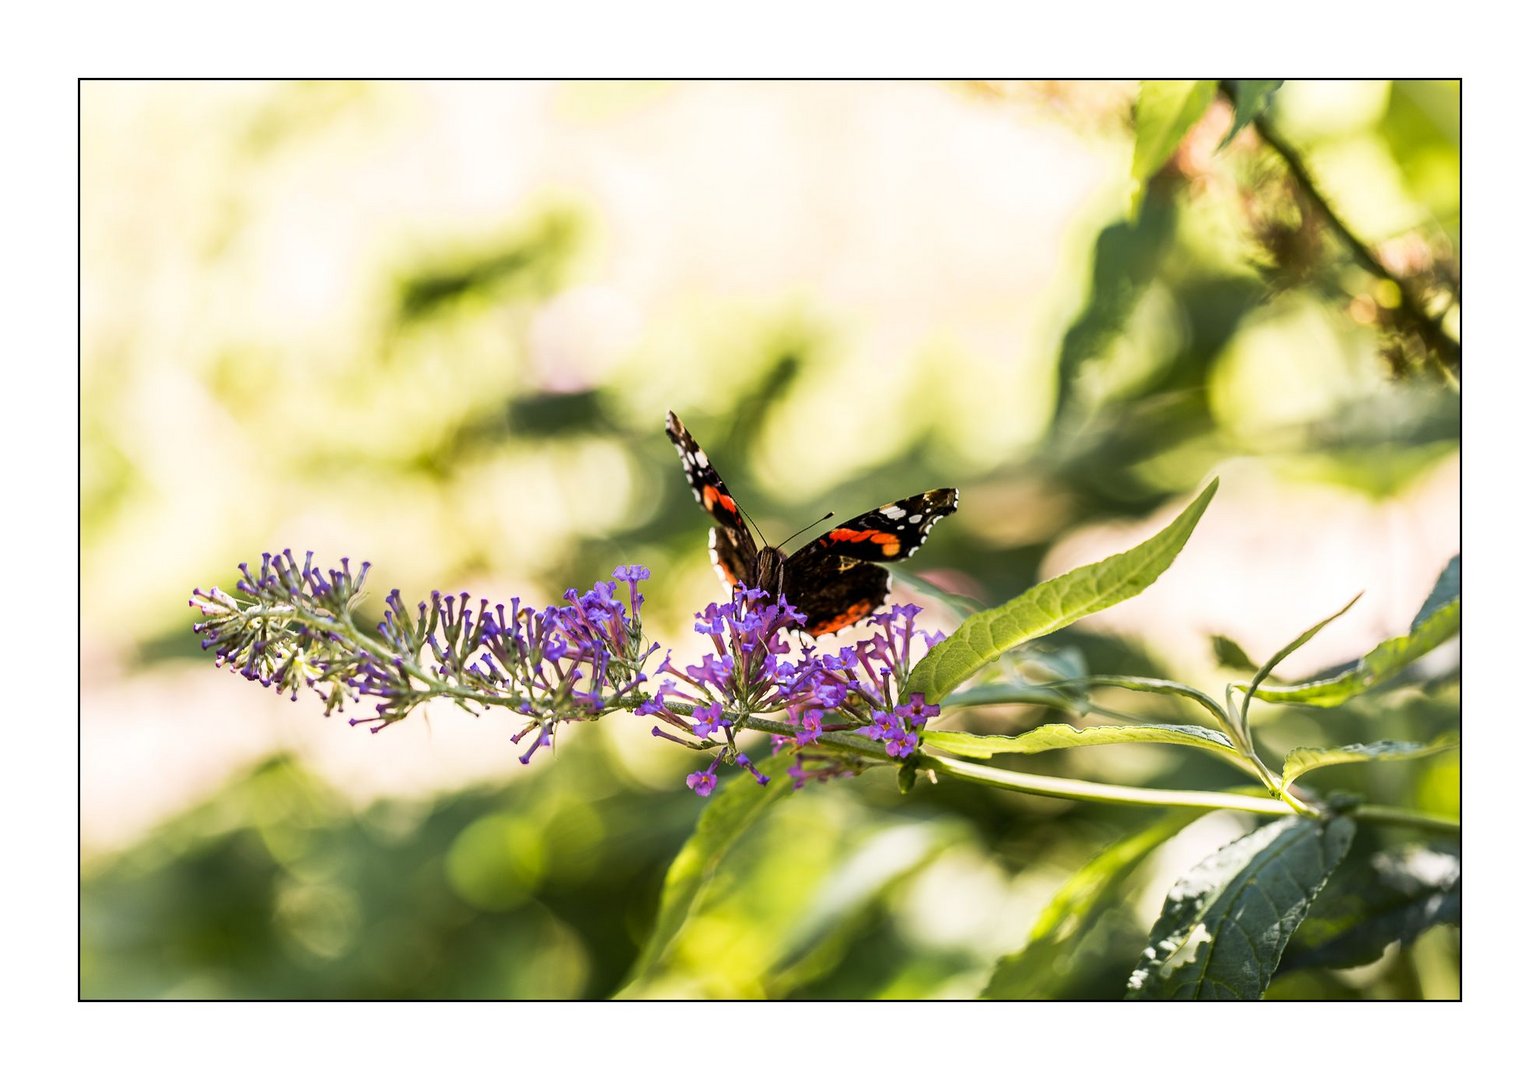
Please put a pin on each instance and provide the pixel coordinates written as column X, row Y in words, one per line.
column 1417, row 819
column 1059, row 787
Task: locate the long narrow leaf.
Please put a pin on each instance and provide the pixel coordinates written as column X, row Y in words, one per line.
column 1307, row 758
column 1065, row 737
column 728, row 815
column 1383, row 661
column 1283, row 653
column 1052, row 605
column 1034, row 972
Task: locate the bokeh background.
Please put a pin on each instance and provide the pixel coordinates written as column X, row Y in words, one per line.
column 437, row 326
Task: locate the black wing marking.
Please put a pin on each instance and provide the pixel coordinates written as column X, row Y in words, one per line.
column 732, row 553
column 888, row 533
column 710, row 490
column 832, row 591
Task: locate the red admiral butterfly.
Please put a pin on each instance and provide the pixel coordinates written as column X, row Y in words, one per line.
column 832, row 580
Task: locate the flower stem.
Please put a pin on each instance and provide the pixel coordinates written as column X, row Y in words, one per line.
column 1059, row 787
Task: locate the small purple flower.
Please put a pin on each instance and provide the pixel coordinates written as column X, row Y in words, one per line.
column 708, row 719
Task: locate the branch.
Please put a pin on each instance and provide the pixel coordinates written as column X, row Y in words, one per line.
column 1429, row 328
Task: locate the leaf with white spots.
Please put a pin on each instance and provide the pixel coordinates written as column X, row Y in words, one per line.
column 1224, row 926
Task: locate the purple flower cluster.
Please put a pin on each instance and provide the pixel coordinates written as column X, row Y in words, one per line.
column 291, row 626
column 284, row 634
column 749, row 671
column 575, row 661
column 868, row 676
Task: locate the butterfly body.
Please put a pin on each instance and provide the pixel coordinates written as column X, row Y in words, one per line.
column 835, row 580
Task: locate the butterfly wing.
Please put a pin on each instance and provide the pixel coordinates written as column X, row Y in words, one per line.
column 733, row 551
column 833, row 580
column 833, row 592
column 889, row 533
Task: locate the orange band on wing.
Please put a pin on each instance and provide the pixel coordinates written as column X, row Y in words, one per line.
column 849, row 617
column 889, row 542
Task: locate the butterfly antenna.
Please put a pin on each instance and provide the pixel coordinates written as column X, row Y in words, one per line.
column 754, row 523
column 805, row 528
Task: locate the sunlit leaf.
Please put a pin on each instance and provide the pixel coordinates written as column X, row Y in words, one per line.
column 1224, row 926
column 1166, row 109
column 1384, row 660
column 1283, row 654
column 1387, row 898
column 1250, row 97
column 1052, row 605
column 729, row 813
column 1065, row 737
column 1036, row 971
column 1306, row 758
column 858, row 891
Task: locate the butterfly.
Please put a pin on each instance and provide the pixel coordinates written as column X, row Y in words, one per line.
column 834, row 580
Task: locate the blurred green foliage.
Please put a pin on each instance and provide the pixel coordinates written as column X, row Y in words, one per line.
column 446, row 416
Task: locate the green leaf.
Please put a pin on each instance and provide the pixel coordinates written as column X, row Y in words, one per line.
column 1386, row 898
column 853, row 896
column 1065, row 737
column 1035, row 972
column 1283, row 653
column 1166, row 109
column 1228, row 653
column 1250, row 97
column 1159, row 686
column 1445, row 589
column 1224, row 926
column 1052, row 605
column 1307, row 758
column 1383, row 661
column 728, row 815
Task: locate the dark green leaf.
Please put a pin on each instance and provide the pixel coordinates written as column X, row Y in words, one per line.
column 728, row 814
column 1224, row 926
column 1373, row 902
column 1383, row 661
column 1228, row 653
column 1065, row 737
column 1250, row 97
column 1447, row 588
column 1306, row 758
column 1052, row 605
column 1035, row 972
